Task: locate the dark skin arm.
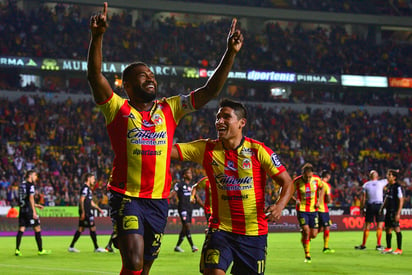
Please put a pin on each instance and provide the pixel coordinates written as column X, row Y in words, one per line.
column 215, row 83
column 101, row 88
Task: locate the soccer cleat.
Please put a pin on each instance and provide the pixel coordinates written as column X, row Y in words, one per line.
column 360, row 247
column 178, row 249
column 397, row 252
column 308, row 260
column 109, row 249
column 44, row 252
column 194, row 248
column 18, row 253
column 328, row 251
column 72, row 249
column 380, row 247
column 387, row 250
column 100, row 250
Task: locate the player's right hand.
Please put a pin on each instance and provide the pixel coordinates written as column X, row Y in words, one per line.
column 98, row 22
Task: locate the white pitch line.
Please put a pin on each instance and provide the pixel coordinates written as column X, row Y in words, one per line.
column 57, row 269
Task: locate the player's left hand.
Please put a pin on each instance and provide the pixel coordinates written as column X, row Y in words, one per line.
column 273, row 212
column 234, row 38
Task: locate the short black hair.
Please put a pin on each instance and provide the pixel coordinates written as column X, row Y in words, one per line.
column 324, row 173
column 394, row 172
column 238, row 107
column 86, row 176
column 130, row 67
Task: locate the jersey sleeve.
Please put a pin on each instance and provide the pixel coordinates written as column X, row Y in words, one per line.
column 181, row 105
column 270, row 161
column 192, row 151
column 84, row 192
column 110, row 107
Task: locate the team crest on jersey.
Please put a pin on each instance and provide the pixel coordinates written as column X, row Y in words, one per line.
column 246, row 164
column 275, row 160
column 157, row 119
column 230, row 166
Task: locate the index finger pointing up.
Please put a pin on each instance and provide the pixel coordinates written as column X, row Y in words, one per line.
column 105, row 9
column 233, row 26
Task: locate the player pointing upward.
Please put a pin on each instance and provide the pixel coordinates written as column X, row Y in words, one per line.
column 141, row 131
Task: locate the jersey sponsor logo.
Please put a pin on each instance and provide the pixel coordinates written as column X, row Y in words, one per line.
column 145, row 137
column 226, row 182
column 147, row 152
column 212, row 256
column 275, row 160
column 185, row 101
column 235, row 198
column 130, row 222
column 246, row 164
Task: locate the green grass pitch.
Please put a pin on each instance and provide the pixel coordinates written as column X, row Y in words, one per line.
column 285, row 256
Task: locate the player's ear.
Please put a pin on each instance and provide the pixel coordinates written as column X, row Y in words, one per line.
column 242, row 123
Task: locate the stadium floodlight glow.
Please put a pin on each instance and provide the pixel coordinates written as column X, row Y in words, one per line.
column 364, row 81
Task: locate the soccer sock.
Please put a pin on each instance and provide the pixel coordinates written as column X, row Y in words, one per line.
column 189, row 237
column 388, row 240
column 18, row 239
column 326, row 238
column 379, row 235
column 306, row 246
column 181, row 238
column 126, row 271
column 38, row 240
column 399, row 239
column 75, row 238
column 94, row 239
column 365, row 236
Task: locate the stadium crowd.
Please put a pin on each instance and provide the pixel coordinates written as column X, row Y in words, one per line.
column 167, row 40
column 376, row 7
column 68, row 139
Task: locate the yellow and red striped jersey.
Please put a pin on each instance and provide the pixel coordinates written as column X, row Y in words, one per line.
column 237, row 181
column 307, row 192
column 142, row 142
column 323, row 207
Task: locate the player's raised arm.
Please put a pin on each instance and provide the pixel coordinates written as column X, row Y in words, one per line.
column 215, row 83
column 101, row 88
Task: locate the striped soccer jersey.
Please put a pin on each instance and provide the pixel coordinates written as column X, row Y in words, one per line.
column 323, row 207
column 237, row 181
column 142, row 142
column 307, row 193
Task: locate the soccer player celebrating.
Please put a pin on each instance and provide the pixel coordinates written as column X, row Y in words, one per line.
column 394, row 199
column 141, row 131
column 323, row 212
column 27, row 214
column 309, row 189
column 236, row 167
column 86, row 216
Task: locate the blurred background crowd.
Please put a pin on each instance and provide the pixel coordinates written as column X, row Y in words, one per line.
column 65, row 139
